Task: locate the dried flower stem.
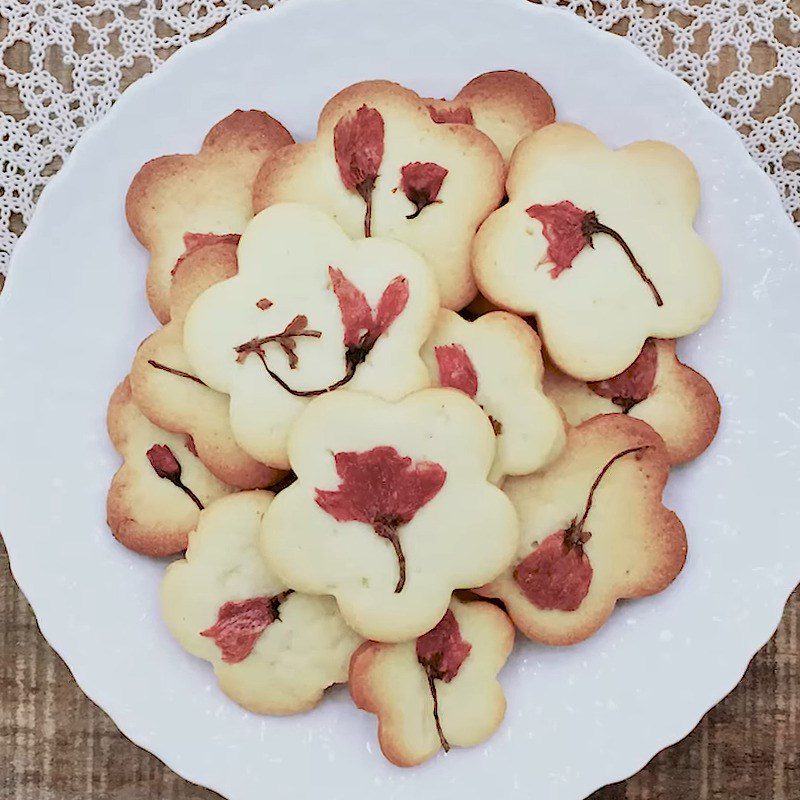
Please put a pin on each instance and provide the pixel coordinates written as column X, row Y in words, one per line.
column 192, row 496
column 575, row 535
column 592, row 225
column 420, row 208
column 348, row 376
column 364, row 191
column 175, row 480
column 177, row 372
column 387, row 529
column 432, row 686
column 276, row 600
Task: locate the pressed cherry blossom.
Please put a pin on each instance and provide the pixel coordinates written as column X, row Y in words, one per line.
column 441, row 652
column 358, row 149
column 240, row 624
column 460, row 114
column 362, row 329
column 557, row 574
column 456, row 370
column 383, row 489
column 634, row 384
column 569, row 229
column 421, row 183
column 167, row 466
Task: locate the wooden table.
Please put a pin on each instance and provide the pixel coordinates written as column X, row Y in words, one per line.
column 56, row 745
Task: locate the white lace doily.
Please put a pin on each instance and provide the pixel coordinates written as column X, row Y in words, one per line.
column 64, row 62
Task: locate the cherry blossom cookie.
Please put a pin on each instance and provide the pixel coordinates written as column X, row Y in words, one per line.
column 380, row 166
column 392, row 509
column 157, row 494
column 497, row 361
column 310, row 311
column 440, row 690
column 175, row 198
column 172, row 397
column 274, row 651
column 598, row 244
column 506, row 105
column 593, row 530
column 677, row 402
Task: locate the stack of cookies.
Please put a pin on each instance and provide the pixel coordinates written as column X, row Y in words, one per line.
column 416, row 387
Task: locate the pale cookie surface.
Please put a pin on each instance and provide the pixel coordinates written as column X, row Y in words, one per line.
column 394, row 161
column 392, row 509
column 147, row 513
column 273, row 651
column 497, row 361
column 581, row 550
column 171, row 397
column 335, row 311
column 677, row 402
column 209, row 192
column 457, row 662
column 558, row 248
column 506, row 105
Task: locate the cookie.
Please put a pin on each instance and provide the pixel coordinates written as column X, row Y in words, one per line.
column 156, row 495
column 496, row 360
column 173, row 398
column 506, row 105
column 309, row 311
column 381, row 166
column 440, row 690
column 209, row 192
column 274, row 651
column 391, row 510
column 677, row 402
column 598, row 244
column 593, row 531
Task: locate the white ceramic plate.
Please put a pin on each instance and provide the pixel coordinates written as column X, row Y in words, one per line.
column 74, row 311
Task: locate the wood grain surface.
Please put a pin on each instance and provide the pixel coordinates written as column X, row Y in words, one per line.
column 56, row 745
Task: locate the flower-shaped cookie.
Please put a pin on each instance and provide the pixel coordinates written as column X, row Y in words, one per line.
column 209, row 192
column 381, row 166
column 599, row 245
column 173, row 398
column 274, row 651
column 677, row 402
column 440, row 690
column 392, row 509
column 593, row 530
column 156, row 495
column 506, row 105
column 497, row 361
column 309, row 311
